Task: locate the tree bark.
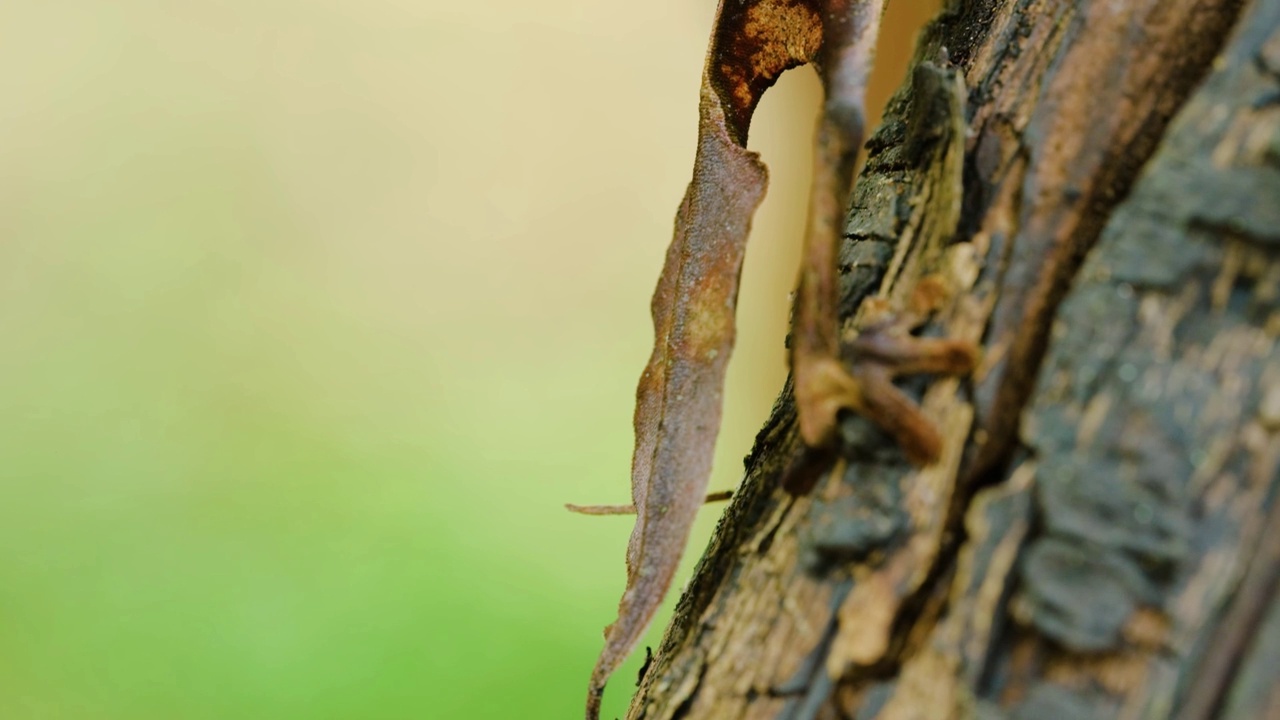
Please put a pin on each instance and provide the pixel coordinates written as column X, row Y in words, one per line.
column 1099, row 183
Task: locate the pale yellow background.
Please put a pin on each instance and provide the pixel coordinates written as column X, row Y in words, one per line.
column 313, row 314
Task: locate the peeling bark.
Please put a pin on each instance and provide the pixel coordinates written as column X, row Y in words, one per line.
column 1099, row 183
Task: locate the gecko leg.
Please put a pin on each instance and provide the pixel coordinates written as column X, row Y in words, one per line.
column 824, row 384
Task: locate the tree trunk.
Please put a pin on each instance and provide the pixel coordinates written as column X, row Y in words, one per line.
column 1099, row 183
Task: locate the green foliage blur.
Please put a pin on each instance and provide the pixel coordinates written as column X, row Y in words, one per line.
column 312, row 316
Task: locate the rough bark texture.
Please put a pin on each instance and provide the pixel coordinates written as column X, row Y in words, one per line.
column 1100, row 183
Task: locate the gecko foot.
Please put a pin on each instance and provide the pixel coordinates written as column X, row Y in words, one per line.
column 863, row 382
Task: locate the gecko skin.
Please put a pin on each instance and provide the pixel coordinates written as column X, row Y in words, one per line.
column 678, row 400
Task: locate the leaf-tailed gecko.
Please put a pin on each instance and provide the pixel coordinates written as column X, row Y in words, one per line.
column 678, row 400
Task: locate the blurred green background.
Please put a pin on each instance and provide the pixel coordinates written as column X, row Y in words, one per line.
column 313, row 315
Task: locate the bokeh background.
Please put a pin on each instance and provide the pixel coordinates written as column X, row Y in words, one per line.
column 313, row 315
